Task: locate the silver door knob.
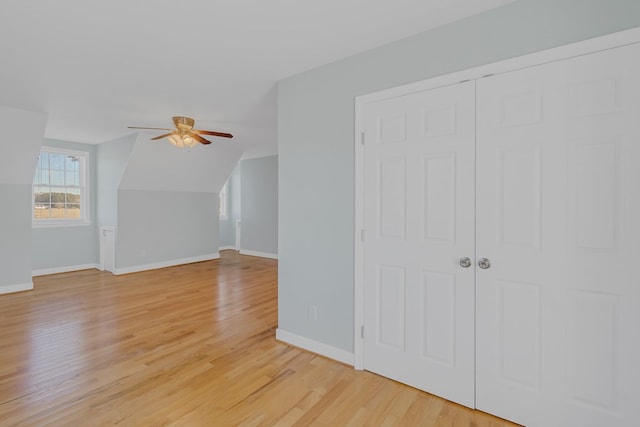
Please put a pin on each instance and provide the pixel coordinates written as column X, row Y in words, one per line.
column 484, row 263
column 465, row 262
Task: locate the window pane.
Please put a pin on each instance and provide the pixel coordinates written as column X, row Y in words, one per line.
column 41, row 211
column 73, row 195
column 57, row 198
column 71, row 162
column 44, row 160
column 56, row 162
column 72, row 178
column 42, row 172
column 57, row 211
column 41, row 195
column 57, row 178
column 72, row 211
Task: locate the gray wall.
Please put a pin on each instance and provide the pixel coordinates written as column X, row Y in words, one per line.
column 316, row 132
column 167, row 205
column 259, row 205
column 22, row 133
column 228, row 226
column 111, row 164
column 161, row 226
column 59, row 247
column 15, row 235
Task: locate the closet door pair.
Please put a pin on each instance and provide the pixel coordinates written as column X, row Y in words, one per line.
column 501, row 237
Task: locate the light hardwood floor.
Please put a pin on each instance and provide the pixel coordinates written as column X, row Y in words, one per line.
column 190, row 345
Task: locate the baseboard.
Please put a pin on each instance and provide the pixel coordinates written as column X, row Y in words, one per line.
column 56, row 270
column 8, row 289
column 163, row 264
column 259, row 254
column 227, row 248
column 315, row 347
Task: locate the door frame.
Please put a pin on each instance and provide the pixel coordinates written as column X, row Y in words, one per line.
column 609, row 41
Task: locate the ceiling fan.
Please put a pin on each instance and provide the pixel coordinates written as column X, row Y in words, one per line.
column 184, row 135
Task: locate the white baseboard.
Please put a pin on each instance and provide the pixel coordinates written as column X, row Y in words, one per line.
column 8, row 289
column 259, row 254
column 56, row 270
column 226, row 248
column 315, row 347
column 163, row 264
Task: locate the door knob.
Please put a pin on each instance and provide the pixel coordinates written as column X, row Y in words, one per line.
column 484, row 263
column 465, row 262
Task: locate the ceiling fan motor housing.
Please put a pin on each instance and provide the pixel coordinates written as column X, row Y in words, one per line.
column 183, row 123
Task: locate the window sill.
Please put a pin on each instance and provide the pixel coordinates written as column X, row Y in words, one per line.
column 60, row 223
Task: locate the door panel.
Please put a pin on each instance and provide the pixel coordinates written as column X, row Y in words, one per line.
column 547, row 188
column 557, row 194
column 419, row 210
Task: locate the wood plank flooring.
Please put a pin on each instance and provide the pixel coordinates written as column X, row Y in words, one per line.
column 190, row 345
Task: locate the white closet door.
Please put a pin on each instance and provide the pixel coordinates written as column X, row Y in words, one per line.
column 419, row 211
column 558, row 214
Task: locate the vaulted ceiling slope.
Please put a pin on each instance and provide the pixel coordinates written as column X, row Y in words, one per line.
column 96, row 67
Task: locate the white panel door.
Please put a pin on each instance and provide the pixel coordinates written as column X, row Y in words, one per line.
column 418, row 219
column 558, row 214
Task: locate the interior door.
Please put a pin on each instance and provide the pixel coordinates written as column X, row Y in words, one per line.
column 558, row 208
column 418, row 224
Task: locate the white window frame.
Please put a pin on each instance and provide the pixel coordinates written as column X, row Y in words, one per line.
column 85, row 196
column 223, row 211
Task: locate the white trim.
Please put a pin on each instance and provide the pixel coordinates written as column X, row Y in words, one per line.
column 259, row 254
column 66, row 269
column 315, row 346
column 163, row 264
column 238, row 230
column 584, row 47
column 8, row 289
column 358, row 270
column 227, row 248
column 223, row 199
column 101, row 235
column 52, row 223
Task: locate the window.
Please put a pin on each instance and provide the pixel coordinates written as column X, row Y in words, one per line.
column 224, row 206
column 60, row 194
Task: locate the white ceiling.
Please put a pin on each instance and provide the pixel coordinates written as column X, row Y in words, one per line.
column 97, row 67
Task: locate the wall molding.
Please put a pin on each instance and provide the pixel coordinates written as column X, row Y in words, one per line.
column 226, row 248
column 65, row 269
column 258, row 254
column 8, row 289
column 315, row 347
column 164, row 264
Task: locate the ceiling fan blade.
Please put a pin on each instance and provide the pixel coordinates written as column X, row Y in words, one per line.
column 210, row 132
column 200, row 139
column 162, row 136
column 138, row 127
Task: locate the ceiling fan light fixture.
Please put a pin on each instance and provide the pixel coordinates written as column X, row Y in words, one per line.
column 189, row 141
column 177, row 141
column 184, row 135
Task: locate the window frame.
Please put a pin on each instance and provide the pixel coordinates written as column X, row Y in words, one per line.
column 85, row 196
